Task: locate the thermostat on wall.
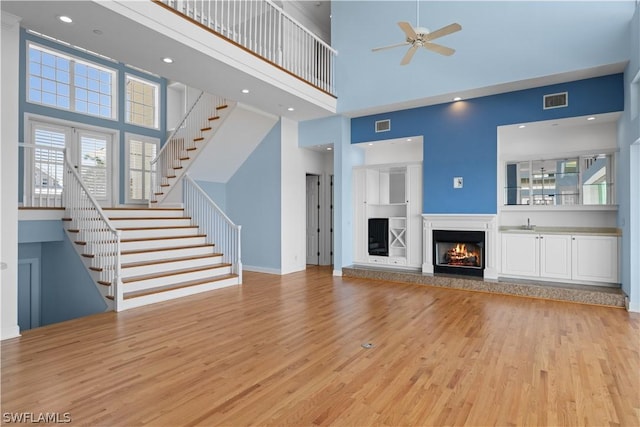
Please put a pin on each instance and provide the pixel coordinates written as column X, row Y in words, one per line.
column 457, row 182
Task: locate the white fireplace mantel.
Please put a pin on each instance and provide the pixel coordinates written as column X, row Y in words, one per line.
column 462, row 222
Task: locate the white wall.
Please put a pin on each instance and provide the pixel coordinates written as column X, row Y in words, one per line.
column 8, row 173
column 293, row 191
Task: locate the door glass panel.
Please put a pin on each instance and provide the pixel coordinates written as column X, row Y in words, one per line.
column 48, row 164
column 93, row 164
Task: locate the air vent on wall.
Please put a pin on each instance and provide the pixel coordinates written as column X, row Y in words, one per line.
column 383, row 125
column 556, row 100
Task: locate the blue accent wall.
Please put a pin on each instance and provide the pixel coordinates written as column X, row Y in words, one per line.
column 66, row 288
column 59, row 114
column 217, row 191
column 460, row 138
column 40, row 231
column 254, row 201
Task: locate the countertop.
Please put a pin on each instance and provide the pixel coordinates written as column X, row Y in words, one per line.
column 602, row 231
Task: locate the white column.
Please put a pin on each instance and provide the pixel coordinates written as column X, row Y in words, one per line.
column 9, row 173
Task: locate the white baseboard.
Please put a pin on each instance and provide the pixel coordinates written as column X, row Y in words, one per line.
column 266, row 270
column 10, row 332
column 634, row 306
column 337, row 273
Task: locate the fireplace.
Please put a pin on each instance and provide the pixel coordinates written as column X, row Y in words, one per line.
column 459, row 252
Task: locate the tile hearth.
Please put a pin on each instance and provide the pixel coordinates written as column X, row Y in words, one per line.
column 597, row 295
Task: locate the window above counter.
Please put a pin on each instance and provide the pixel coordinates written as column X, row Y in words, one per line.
column 581, row 181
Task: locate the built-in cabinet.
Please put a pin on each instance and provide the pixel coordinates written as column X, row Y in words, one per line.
column 560, row 257
column 392, row 193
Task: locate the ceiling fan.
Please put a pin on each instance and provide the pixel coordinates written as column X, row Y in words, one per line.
column 421, row 37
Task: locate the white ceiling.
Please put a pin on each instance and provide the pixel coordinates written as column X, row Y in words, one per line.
column 370, row 83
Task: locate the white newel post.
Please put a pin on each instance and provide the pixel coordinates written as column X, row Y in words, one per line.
column 462, row 222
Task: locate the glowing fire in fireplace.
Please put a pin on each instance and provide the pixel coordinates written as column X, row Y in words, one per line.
column 461, row 255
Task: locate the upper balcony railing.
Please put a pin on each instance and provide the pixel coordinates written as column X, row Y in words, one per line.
column 265, row 29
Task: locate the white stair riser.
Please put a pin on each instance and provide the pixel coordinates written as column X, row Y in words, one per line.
column 131, row 213
column 141, row 285
column 159, row 222
column 159, row 232
column 177, row 293
column 170, row 253
column 164, row 243
column 168, row 266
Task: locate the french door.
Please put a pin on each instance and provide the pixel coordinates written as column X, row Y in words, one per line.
column 89, row 151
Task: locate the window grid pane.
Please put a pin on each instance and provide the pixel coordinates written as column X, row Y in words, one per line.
column 54, row 79
column 140, row 156
column 141, row 103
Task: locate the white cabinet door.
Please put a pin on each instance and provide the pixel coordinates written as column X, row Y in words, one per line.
column 555, row 256
column 360, row 235
column 520, row 254
column 595, row 258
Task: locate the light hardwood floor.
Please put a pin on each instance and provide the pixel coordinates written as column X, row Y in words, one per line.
column 287, row 351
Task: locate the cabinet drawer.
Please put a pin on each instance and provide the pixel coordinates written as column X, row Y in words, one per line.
column 378, row 260
column 398, row 261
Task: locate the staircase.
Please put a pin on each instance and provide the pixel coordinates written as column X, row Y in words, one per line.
column 139, row 256
column 162, row 254
column 183, row 146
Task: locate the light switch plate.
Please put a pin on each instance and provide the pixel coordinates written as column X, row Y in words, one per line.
column 457, row 182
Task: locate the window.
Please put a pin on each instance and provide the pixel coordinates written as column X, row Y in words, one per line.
column 69, row 83
column 141, row 107
column 585, row 180
column 45, row 162
column 140, row 152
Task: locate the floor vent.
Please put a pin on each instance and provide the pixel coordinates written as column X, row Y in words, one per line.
column 556, row 100
column 383, row 125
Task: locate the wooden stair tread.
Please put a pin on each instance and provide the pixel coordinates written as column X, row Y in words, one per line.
column 161, row 238
column 173, row 273
column 147, row 218
column 167, row 260
column 222, row 107
column 190, row 283
column 172, row 227
column 206, row 129
column 198, row 139
column 141, row 208
column 185, row 158
column 192, row 148
column 141, row 251
column 214, row 118
column 170, row 176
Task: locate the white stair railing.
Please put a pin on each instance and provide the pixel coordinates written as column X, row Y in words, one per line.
column 268, row 31
column 43, row 177
column 213, row 222
column 191, row 132
column 95, row 231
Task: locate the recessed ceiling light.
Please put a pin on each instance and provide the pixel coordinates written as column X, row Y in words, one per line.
column 457, row 98
column 522, row 126
column 167, row 60
column 329, row 148
column 245, row 90
column 409, row 140
column 65, row 19
column 97, row 32
column 591, row 118
column 371, row 143
column 291, row 109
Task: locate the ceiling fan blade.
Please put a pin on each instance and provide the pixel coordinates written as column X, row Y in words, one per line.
column 451, row 28
column 376, row 49
column 409, row 55
column 408, row 30
column 443, row 50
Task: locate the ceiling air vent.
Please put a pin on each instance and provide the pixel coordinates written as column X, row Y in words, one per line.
column 383, row 125
column 556, row 100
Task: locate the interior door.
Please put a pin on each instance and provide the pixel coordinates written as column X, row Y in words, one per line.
column 313, row 219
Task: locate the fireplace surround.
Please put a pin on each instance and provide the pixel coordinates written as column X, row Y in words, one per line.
column 461, row 222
